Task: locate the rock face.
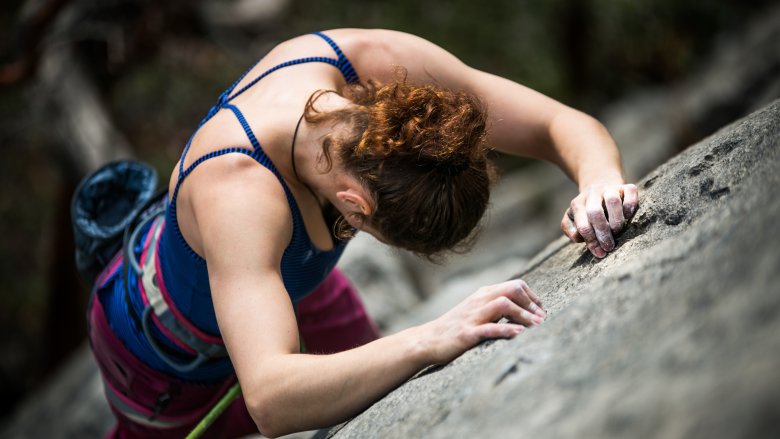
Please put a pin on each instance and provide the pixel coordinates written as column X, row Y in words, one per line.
column 675, row 334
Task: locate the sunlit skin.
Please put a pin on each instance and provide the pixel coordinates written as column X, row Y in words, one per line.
column 233, row 212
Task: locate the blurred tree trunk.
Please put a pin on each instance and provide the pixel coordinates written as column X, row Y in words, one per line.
column 82, row 136
column 574, row 19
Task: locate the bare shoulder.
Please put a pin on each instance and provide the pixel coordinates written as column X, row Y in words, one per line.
column 238, row 207
column 373, row 36
column 377, row 53
column 355, row 42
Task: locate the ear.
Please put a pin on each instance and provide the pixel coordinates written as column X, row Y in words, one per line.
column 355, row 201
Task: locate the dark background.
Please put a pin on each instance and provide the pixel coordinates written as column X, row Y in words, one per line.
column 158, row 67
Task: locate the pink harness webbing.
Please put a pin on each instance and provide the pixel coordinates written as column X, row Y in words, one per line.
column 141, row 394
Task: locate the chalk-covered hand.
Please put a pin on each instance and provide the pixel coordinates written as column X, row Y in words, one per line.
column 599, row 212
column 476, row 319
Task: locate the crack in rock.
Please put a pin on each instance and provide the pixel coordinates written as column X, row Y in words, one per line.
column 511, row 370
column 706, row 188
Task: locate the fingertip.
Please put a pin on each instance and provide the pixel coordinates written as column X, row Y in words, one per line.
column 515, row 328
column 596, row 250
column 575, row 237
column 629, row 210
column 605, row 241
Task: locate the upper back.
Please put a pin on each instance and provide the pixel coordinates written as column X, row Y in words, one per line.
column 256, row 119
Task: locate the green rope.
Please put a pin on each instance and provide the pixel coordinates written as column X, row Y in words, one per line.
column 233, row 392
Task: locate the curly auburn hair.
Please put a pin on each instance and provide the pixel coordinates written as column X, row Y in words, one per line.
column 421, row 152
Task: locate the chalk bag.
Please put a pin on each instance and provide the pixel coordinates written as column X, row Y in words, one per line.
column 104, row 203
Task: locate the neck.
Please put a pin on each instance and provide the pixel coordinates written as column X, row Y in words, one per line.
column 306, row 153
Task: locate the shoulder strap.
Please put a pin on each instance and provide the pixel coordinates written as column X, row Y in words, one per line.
column 245, row 125
column 256, row 155
column 342, row 63
column 350, row 75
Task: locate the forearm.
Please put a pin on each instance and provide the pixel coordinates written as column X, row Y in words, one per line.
column 302, row 392
column 584, row 150
column 527, row 123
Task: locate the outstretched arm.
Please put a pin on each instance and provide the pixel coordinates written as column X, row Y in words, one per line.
column 527, row 123
column 286, row 391
column 576, row 142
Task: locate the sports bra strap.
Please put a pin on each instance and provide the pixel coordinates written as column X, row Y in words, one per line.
column 342, row 63
column 183, row 174
column 350, row 75
column 245, row 126
column 257, row 155
column 293, row 62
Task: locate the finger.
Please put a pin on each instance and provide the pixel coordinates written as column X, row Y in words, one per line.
column 598, row 220
column 536, row 304
column 519, row 292
column 614, row 209
column 506, row 288
column 522, row 298
column 569, row 228
column 504, row 307
column 595, row 249
column 584, row 228
column 489, row 331
column 630, row 200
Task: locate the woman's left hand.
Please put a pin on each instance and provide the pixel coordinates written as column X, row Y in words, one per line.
column 597, row 213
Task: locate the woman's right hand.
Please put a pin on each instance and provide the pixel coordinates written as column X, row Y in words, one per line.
column 476, row 319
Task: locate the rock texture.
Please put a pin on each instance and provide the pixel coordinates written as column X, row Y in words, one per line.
column 675, row 334
column 70, row 405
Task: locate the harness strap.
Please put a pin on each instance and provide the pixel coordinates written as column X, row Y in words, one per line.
column 138, row 415
column 158, row 307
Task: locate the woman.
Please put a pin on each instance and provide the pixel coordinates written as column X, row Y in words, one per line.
column 374, row 130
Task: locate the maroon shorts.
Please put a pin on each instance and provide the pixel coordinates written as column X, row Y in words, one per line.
column 331, row 319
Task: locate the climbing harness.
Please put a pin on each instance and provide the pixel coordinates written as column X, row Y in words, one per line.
column 110, row 210
column 158, row 307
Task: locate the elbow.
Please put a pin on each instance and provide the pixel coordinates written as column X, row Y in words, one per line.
column 265, row 417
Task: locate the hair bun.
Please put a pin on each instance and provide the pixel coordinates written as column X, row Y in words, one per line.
column 421, row 152
column 433, row 126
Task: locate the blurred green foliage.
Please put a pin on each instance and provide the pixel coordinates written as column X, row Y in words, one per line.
column 583, row 52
